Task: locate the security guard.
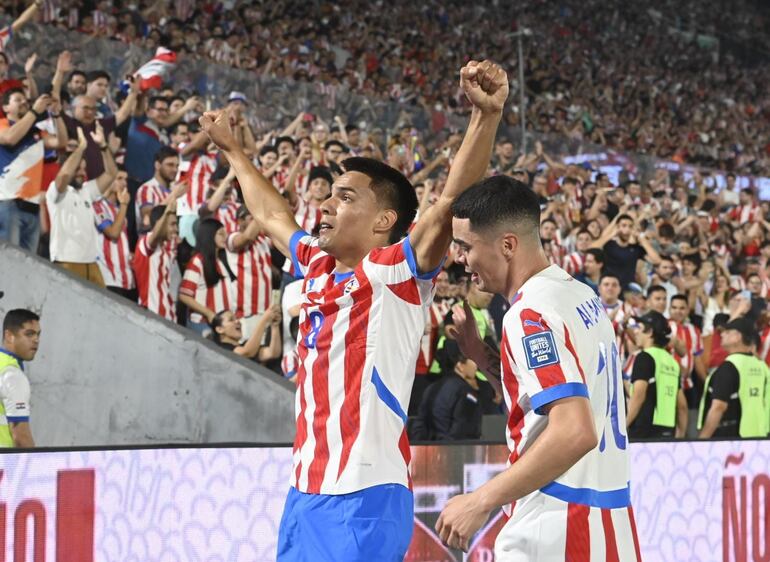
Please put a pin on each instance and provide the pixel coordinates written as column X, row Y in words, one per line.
column 657, row 407
column 21, row 337
column 735, row 399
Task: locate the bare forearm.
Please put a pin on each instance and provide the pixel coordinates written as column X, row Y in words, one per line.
column 25, row 17
column 472, row 159
column 634, row 406
column 713, row 418
column 251, row 347
column 554, row 452
column 681, row 415
column 16, row 132
column 68, row 169
column 126, row 109
column 195, row 306
column 116, row 228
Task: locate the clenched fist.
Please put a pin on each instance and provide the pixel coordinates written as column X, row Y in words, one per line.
column 485, row 84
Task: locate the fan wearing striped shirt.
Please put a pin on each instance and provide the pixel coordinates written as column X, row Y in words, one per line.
column 365, row 298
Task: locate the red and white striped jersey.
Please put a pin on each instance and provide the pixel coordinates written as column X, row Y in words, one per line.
column 217, row 298
column 150, row 194
column 252, row 266
column 429, row 340
column 574, row 263
column 691, row 337
column 227, row 214
column 5, row 37
column 558, row 342
column 359, row 335
column 114, row 257
column 307, row 215
column 152, row 268
column 619, row 314
column 746, row 213
column 198, row 175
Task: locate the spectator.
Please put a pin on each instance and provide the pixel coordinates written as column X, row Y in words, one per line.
column 73, row 232
column 687, row 345
column 623, row 247
column 207, row 286
column 21, row 339
column 664, row 276
column 574, row 263
column 656, row 299
column 226, row 332
column 450, row 409
column 21, row 165
column 76, row 84
column 593, row 265
column 657, row 407
column 733, row 403
column 146, row 136
column 154, row 258
column 155, row 191
column 114, row 253
column 248, row 253
column 97, row 88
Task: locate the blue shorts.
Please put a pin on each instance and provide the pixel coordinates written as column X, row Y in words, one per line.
column 374, row 524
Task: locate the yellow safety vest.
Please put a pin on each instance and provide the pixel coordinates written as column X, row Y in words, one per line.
column 6, row 439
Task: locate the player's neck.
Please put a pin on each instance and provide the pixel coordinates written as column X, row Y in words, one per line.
column 520, row 273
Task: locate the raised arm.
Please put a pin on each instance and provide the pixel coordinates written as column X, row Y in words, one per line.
column 110, row 168
column 486, row 86
column 114, row 230
column 262, row 199
column 26, row 16
column 70, row 166
column 129, row 104
column 13, row 134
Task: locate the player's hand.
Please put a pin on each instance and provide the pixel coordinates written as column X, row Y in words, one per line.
column 485, row 84
column 466, row 332
column 460, row 519
column 124, row 197
column 216, row 124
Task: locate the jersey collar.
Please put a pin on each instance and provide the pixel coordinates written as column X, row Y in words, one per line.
column 19, row 359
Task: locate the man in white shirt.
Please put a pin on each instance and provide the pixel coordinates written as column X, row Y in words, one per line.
column 73, row 232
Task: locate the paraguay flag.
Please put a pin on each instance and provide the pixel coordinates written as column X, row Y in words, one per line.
column 22, row 178
column 152, row 73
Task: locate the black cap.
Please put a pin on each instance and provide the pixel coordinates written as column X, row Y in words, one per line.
column 745, row 326
column 656, row 321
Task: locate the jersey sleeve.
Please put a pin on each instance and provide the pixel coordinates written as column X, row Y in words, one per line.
column 698, row 343
column 15, row 395
column 192, row 277
column 545, row 359
column 143, row 197
column 644, row 368
column 303, row 248
column 101, row 217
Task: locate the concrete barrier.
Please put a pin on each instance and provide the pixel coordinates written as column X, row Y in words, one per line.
column 110, row 373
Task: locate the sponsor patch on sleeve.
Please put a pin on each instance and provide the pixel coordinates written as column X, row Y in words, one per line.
column 540, row 350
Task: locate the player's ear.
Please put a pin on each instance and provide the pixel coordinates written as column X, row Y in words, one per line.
column 509, row 243
column 385, row 221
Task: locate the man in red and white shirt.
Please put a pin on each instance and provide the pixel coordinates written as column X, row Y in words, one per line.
column 154, row 257
column 618, row 311
column 248, row 253
column 114, row 257
column 748, row 210
column 363, row 314
column 575, row 262
column 686, row 342
column 155, row 191
column 565, row 490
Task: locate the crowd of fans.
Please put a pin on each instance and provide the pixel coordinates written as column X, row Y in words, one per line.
column 134, row 198
column 683, row 81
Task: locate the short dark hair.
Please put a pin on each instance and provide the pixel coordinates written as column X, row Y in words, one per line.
column 76, row 73
column 597, row 253
column 175, row 128
column 664, row 257
column 654, row 289
column 624, row 217
column 391, row 189
column 15, row 319
column 279, row 140
column 268, row 148
column 94, row 75
column 155, row 99
column 680, row 297
column 607, row 274
column 6, row 99
column 351, row 128
column 165, row 152
column 549, row 219
column 499, row 200
column 570, row 180
column 156, row 214
column 332, row 143
column 666, row 230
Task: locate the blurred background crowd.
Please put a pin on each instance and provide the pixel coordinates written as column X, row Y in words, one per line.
column 648, row 143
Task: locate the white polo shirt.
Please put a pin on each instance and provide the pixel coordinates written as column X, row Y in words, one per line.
column 73, row 223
